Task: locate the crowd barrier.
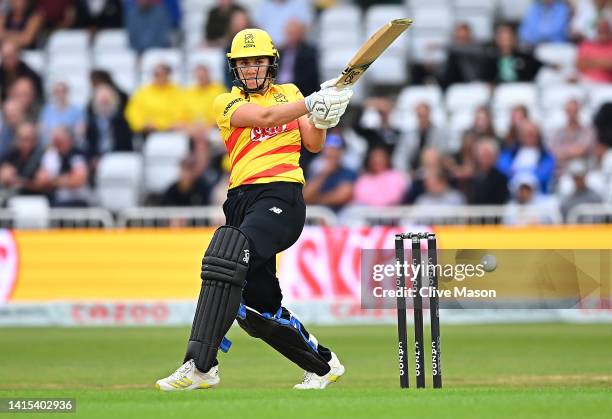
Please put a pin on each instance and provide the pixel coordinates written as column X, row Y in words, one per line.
column 351, row 216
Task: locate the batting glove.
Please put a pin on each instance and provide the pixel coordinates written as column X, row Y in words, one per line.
column 331, row 83
column 328, row 104
column 323, row 124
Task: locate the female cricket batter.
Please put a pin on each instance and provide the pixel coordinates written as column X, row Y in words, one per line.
column 263, row 125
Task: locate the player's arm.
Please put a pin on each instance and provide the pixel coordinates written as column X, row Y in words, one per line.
column 313, row 138
column 326, row 105
column 253, row 115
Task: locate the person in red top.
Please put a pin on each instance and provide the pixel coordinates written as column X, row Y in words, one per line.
column 264, row 126
column 595, row 57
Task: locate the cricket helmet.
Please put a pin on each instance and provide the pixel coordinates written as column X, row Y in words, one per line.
column 253, row 43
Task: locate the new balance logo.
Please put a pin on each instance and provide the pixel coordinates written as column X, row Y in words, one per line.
column 276, row 210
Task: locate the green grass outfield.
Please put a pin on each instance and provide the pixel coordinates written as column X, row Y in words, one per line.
column 490, row 371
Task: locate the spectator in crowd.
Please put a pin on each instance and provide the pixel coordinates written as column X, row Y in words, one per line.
column 364, row 4
column 148, row 24
column 12, row 117
column 600, row 169
column 427, row 134
column 487, row 186
column 528, row 206
column 21, row 23
column 379, row 185
column 483, row 123
column 107, row 130
column 57, row 14
column 465, row 58
column 200, row 97
column 529, row 155
column 273, row 15
column 438, row 190
column 461, row 165
column 595, row 57
column 19, row 165
column 430, row 159
column 582, row 194
column 603, row 124
column 97, row 15
column 99, row 77
column 519, row 114
column 158, row 106
column 173, row 7
column 299, row 64
column 218, row 22
column 63, row 171
column 374, row 123
column 189, row 189
column 505, row 63
column 586, row 14
column 218, row 194
column 329, row 182
column 239, row 20
column 199, row 104
column 545, row 21
column 24, row 92
column 13, row 67
column 573, row 141
column 58, row 111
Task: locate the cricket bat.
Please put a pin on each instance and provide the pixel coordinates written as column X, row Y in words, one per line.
column 371, row 50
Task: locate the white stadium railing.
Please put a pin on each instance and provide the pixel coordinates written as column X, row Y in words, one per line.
column 58, row 218
column 590, row 214
column 201, row 216
column 354, row 216
column 442, row 215
column 171, row 216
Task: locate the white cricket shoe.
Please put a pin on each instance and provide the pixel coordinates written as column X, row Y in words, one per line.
column 314, row 381
column 187, row 377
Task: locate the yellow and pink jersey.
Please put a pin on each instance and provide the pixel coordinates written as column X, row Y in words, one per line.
column 256, row 154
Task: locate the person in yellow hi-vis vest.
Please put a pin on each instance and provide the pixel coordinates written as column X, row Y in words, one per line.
column 264, row 126
column 158, row 106
column 201, row 96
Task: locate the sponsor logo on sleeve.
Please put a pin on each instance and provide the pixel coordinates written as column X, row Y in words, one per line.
column 229, row 105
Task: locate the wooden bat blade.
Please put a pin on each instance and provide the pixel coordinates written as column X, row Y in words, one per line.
column 371, row 50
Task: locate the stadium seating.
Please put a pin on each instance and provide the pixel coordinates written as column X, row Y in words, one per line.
column 513, row 10
column 30, row 211
column 119, row 179
column 35, row 59
column 69, row 55
column 340, row 27
column 463, row 96
column 170, row 56
column 212, row 58
column 409, row 97
column 72, row 41
column 559, row 54
column 163, row 152
column 110, row 40
column 459, row 122
column 122, row 64
column 505, row 96
column 599, row 94
column 557, row 95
